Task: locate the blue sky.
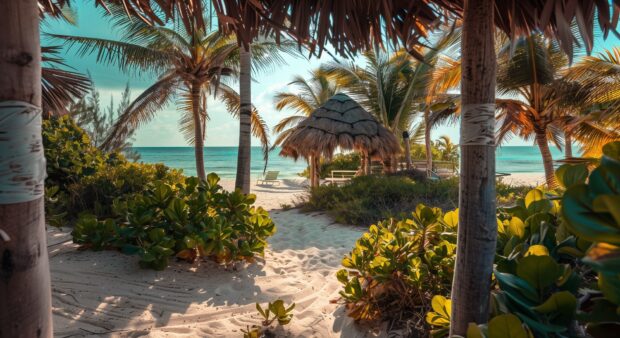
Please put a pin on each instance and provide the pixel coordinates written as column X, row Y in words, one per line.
column 222, row 129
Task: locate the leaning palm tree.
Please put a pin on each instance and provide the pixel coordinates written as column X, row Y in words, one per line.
column 192, row 64
column 311, row 94
column 546, row 105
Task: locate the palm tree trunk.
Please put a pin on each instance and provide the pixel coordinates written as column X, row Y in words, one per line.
column 427, row 143
column 198, row 132
column 568, row 145
column 477, row 230
column 242, row 180
column 543, row 145
column 25, row 293
column 407, row 149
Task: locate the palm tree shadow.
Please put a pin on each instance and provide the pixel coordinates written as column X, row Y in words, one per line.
column 106, row 292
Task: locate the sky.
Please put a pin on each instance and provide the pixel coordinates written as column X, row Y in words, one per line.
column 222, row 128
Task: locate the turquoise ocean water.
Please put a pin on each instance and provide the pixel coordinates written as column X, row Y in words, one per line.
column 223, row 160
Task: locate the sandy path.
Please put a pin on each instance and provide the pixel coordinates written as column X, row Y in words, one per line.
column 106, row 293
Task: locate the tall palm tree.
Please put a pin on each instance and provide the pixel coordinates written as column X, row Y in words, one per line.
column 310, row 94
column 191, row 62
column 244, row 150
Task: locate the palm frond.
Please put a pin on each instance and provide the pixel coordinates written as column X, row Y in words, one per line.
column 142, row 109
column 127, row 56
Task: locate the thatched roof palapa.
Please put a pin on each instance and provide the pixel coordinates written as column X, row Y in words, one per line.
column 340, row 122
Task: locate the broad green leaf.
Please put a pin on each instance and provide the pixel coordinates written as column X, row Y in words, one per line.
column 452, row 218
column 533, row 196
column 506, row 326
column 562, row 302
column 581, row 219
column 537, row 250
column 570, row 174
column 517, row 227
column 539, row 271
column 517, row 283
column 441, row 305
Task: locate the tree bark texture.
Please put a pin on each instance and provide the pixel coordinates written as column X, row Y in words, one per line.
column 543, row 145
column 198, row 132
column 477, row 230
column 242, row 180
column 568, row 145
column 428, row 143
column 25, row 293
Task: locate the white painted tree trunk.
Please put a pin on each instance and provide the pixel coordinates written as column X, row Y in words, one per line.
column 477, row 230
column 25, row 293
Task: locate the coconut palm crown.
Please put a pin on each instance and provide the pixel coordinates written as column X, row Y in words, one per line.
column 191, row 64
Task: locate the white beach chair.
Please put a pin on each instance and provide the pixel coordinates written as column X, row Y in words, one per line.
column 270, row 177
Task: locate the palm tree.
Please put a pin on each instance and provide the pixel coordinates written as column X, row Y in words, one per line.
column 449, row 150
column 596, row 122
column 242, row 179
column 191, row 64
column 311, row 94
column 395, row 88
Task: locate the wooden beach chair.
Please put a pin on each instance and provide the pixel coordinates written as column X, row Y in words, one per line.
column 271, row 177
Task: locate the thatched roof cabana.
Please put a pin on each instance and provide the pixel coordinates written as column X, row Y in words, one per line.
column 340, row 122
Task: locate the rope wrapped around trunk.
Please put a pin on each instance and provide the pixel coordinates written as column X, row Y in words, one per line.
column 478, row 125
column 22, row 162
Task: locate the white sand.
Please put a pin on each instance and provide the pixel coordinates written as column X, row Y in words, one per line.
column 531, row 179
column 106, row 293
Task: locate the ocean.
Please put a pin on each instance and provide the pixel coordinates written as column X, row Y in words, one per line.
column 223, row 160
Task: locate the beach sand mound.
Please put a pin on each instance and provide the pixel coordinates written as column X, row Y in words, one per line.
column 106, row 293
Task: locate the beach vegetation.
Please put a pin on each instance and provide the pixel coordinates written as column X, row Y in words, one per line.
column 348, row 161
column 187, row 220
column 145, row 209
column 555, row 262
column 274, row 311
column 368, row 199
column 398, row 265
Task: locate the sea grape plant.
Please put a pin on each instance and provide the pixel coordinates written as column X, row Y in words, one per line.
column 591, row 211
column 187, row 220
column 400, row 263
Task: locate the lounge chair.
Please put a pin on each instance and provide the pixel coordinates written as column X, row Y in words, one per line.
column 271, row 177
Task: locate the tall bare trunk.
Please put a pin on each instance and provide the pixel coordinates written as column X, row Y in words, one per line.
column 406, row 141
column 477, row 231
column 198, row 131
column 428, row 143
column 568, row 144
column 25, row 294
column 242, row 180
column 543, row 145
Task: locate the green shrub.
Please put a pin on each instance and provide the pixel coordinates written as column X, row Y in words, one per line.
column 396, row 267
column 95, row 193
column 69, row 153
column 187, row 220
column 82, row 178
column 368, row 199
column 350, row 161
